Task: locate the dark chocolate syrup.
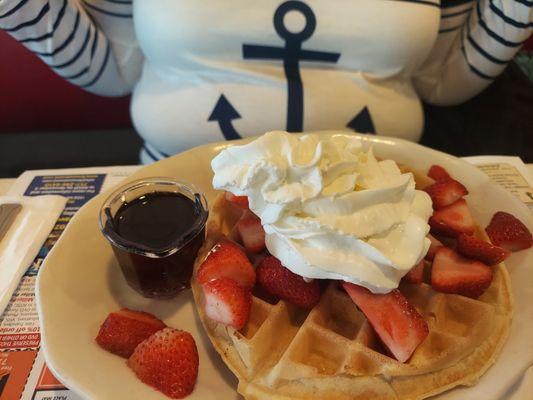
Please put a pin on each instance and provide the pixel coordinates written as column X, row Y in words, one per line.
column 156, row 219
column 159, row 235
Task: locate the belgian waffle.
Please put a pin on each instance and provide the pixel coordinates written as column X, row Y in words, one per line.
column 331, row 352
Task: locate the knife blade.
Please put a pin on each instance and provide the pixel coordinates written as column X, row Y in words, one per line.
column 8, row 213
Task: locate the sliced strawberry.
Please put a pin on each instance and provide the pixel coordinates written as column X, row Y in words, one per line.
column 416, row 274
column 438, row 173
column 168, row 361
column 507, row 231
column 472, row 247
column 452, row 220
column 241, row 201
column 445, row 193
column 447, row 241
column 284, row 284
column 123, row 330
column 227, row 302
column 396, row 321
column 435, row 244
column 251, row 233
column 453, row 273
column 227, row 259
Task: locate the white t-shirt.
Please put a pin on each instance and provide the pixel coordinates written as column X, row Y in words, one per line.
column 205, row 71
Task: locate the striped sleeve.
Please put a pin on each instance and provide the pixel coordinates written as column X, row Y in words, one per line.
column 476, row 41
column 78, row 40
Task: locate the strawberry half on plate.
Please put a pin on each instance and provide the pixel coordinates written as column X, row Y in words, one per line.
column 168, row 361
column 507, row 231
column 123, row 330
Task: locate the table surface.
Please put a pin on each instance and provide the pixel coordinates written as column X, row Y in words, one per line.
column 5, row 184
column 522, row 390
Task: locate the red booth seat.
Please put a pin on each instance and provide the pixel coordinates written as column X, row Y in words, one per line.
column 34, row 98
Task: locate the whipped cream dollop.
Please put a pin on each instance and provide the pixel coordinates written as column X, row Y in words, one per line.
column 329, row 208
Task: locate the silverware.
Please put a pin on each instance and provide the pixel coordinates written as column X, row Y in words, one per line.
column 8, row 212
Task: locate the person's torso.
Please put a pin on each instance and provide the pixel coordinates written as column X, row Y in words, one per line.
column 218, row 70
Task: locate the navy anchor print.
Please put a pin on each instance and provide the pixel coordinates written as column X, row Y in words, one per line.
column 362, row 122
column 291, row 55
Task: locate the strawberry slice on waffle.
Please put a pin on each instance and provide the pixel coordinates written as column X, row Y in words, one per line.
column 396, row 321
column 453, row 273
column 452, row 220
column 438, row 173
column 416, row 274
column 227, row 302
column 445, row 193
column 227, row 260
column 472, row 247
column 284, row 284
column 435, row 244
column 241, row 201
column 251, row 232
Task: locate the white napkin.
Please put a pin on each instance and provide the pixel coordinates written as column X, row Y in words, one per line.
column 24, row 238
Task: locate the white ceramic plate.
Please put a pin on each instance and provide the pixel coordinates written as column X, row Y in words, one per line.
column 80, row 283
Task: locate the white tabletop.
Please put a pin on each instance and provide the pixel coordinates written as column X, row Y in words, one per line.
column 521, row 390
column 5, row 184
